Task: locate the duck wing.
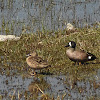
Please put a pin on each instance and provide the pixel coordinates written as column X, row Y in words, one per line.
column 80, row 55
column 41, row 63
column 39, row 60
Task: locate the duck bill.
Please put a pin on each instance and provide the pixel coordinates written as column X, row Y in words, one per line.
column 67, row 46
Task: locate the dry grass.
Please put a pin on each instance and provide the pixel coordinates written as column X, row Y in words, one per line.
column 50, row 46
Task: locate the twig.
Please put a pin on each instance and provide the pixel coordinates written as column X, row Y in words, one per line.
column 13, row 95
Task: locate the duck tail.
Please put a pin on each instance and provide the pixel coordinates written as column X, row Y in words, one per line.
column 91, row 57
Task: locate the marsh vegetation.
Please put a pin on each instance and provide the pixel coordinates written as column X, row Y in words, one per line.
column 50, row 46
column 63, row 80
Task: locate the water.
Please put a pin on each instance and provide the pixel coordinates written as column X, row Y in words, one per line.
column 22, row 16
column 58, row 86
column 25, row 16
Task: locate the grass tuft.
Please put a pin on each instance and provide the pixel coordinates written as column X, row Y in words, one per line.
column 50, row 46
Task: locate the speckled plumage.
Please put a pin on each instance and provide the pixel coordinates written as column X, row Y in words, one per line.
column 36, row 62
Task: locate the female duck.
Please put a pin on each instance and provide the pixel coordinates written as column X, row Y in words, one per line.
column 36, row 62
column 78, row 55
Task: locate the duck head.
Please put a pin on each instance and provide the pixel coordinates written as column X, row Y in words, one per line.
column 33, row 54
column 71, row 44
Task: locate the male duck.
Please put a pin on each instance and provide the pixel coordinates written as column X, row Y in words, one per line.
column 78, row 55
column 36, row 62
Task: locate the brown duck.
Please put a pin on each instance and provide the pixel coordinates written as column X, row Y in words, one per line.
column 35, row 62
column 78, row 55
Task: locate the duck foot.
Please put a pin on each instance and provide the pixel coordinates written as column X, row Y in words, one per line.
column 79, row 63
column 76, row 63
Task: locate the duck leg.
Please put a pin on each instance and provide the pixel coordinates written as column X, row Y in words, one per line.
column 76, row 63
column 80, row 63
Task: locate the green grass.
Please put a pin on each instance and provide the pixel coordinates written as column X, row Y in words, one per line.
column 50, row 46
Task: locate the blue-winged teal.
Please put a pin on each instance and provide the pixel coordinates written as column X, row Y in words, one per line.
column 36, row 62
column 78, row 55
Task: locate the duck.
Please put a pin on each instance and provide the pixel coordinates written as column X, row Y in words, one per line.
column 35, row 62
column 78, row 56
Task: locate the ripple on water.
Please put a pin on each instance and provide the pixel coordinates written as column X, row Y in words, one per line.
column 58, row 86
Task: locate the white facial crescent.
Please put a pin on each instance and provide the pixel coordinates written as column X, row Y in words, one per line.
column 70, row 44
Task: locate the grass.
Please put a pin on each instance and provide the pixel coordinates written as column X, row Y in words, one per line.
column 50, row 46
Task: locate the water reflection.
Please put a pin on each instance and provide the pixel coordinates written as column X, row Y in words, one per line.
column 15, row 85
column 18, row 17
column 38, row 90
column 9, row 85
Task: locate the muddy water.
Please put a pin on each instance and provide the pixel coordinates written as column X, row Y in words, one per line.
column 58, row 85
column 27, row 16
